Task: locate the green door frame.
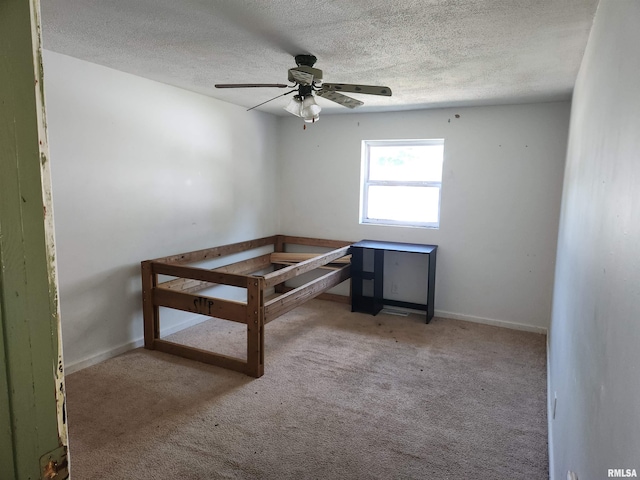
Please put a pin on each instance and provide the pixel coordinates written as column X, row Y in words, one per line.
column 33, row 431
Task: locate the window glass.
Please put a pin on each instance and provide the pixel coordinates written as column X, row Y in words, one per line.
column 401, row 182
column 397, row 162
column 404, row 204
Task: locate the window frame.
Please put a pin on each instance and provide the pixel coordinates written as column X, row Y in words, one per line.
column 365, row 182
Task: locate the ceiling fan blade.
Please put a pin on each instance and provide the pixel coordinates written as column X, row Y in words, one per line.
column 301, row 77
column 250, row 85
column 366, row 89
column 277, row 96
column 340, row 98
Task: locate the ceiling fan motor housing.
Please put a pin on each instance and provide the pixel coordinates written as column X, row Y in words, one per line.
column 307, row 60
column 305, row 91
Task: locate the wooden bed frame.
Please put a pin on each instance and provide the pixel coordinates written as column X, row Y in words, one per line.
column 181, row 292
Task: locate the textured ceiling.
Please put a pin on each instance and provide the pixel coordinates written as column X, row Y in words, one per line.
column 432, row 53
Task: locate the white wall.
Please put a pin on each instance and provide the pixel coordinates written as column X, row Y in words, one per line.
column 595, row 331
column 501, row 192
column 142, row 170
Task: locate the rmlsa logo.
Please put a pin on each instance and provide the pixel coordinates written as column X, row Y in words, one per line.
column 622, row 472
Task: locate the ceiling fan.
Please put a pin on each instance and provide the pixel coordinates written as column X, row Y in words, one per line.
column 307, row 81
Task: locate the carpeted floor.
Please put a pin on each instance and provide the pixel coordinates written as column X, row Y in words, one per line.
column 344, row 396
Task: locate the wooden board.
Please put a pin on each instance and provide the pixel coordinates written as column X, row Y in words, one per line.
column 331, row 297
column 245, row 267
column 204, row 356
column 292, row 271
column 290, row 300
column 216, row 252
column 290, row 258
column 200, row 274
column 209, row 306
column 314, row 242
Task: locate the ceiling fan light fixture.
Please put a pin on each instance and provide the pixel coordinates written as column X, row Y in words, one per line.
column 313, row 119
column 295, row 106
column 310, row 109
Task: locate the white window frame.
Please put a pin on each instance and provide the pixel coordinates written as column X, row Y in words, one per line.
column 365, row 182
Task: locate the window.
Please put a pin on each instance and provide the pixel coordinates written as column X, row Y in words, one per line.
column 401, row 182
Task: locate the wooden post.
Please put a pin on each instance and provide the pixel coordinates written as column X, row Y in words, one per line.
column 255, row 327
column 278, row 247
column 150, row 312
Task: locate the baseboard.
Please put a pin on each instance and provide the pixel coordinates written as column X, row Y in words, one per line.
column 106, row 355
column 70, row 368
column 491, row 321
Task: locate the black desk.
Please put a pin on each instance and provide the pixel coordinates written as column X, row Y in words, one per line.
column 372, row 305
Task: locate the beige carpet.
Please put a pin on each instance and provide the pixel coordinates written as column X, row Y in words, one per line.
column 344, row 396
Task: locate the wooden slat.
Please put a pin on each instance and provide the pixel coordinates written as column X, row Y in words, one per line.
column 200, row 274
column 200, row 355
column 290, row 257
column 244, row 267
column 215, row 252
column 331, row 297
column 287, row 273
column 315, row 242
column 331, row 266
column 187, row 285
column 290, row 300
column 209, row 306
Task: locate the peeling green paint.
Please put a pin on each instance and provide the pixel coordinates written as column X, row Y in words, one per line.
column 49, row 228
column 32, row 400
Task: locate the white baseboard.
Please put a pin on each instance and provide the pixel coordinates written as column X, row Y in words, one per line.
column 491, row 321
column 70, row 368
column 114, row 352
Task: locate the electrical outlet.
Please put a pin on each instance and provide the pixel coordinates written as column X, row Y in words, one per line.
column 394, row 287
column 572, row 475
